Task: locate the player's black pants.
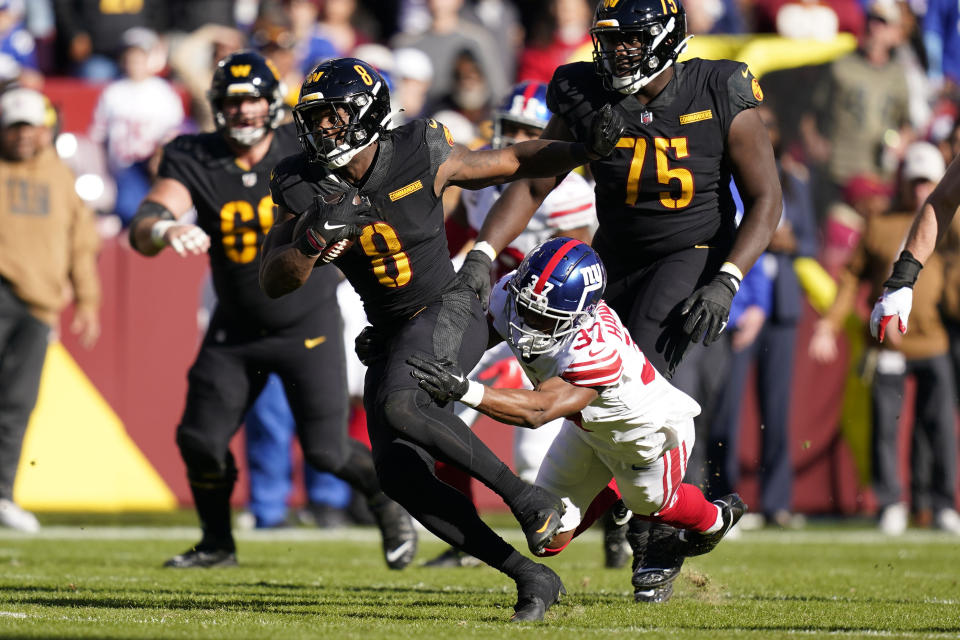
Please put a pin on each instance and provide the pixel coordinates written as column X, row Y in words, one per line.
column 409, row 431
column 648, row 300
column 23, row 346
column 228, row 375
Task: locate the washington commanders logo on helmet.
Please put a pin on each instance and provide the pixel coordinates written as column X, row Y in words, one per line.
column 246, row 74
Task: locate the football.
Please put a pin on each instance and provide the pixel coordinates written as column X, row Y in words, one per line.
column 330, row 251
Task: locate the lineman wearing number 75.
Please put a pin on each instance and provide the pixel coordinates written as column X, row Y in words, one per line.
column 623, row 419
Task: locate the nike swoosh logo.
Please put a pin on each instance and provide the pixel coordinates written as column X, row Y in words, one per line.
column 393, row 555
column 331, row 227
column 545, row 524
column 594, row 354
column 745, row 72
column 310, row 343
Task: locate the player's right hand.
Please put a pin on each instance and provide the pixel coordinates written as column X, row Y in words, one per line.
column 474, row 274
column 605, row 131
column 186, row 239
column 893, row 303
column 331, row 219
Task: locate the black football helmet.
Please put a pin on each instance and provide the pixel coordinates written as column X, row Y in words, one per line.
column 634, row 41
column 355, row 87
column 246, row 73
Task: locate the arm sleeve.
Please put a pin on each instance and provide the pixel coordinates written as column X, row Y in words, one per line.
column 742, row 92
column 439, row 141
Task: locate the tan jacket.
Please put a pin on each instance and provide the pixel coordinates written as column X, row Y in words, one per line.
column 872, row 262
column 48, row 237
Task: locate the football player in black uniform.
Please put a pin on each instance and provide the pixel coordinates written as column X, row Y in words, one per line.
column 225, row 175
column 356, row 180
column 667, row 234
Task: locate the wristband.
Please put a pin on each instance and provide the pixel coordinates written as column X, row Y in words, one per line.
column 474, row 395
column 732, row 269
column 905, row 272
column 158, row 230
column 486, row 248
column 309, row 244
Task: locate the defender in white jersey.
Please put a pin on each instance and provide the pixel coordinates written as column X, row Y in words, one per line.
column 623, row 420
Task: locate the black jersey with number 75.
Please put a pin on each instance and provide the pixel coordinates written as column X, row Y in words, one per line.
column 666, row 185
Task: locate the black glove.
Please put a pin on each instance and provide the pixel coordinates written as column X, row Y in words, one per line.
column 708, row 308
column 442, row 379
column 368, row 345
column 330, row 219
column 905, row 272
column 605, row 131
column 474, row 274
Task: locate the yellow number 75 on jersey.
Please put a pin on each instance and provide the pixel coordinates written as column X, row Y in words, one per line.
column 664, row 173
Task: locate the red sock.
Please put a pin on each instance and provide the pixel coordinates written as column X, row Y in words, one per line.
column 689, row 510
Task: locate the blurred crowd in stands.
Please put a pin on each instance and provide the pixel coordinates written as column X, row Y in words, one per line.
column 861, row 133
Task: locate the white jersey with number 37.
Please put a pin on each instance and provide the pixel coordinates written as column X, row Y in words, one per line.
column 637, row 410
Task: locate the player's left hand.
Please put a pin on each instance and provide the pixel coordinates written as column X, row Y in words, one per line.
column 86, row 325
column 706, row 311
column 893, row 303
column 442, row 379
column 605, row 131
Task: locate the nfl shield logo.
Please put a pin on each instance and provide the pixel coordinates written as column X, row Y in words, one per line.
column 249, row 179
column 646, row 117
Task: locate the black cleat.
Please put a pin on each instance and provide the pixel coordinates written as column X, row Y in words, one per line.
column 397, row 531
column 732, row 509
column 197, row 558
column 537, row 591
column 538, row 511
column 661, row 561
column 616, row 550
column 452, row 558
column 654, row 596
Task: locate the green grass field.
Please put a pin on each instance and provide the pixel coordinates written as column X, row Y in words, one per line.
column 106, row 582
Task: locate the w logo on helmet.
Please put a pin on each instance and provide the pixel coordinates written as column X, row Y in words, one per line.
column 240, row 70
column 610, row 4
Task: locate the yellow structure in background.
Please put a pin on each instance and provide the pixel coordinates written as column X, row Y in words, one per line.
column 77, row 455
column 762, row 52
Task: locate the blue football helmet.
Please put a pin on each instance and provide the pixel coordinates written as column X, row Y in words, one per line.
column 554, row 291
column 526, row 105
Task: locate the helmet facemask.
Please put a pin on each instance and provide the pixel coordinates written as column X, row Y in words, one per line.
column 630, row 58
column 334, row 146
column 246, row 135
column 535, row 328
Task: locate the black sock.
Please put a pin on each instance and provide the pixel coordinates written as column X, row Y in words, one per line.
column 211, row 495
column 359, row 471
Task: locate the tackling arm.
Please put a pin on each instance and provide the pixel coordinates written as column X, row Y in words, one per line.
column 554, row 398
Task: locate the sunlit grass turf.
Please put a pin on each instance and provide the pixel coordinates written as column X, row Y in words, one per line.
column 302, row 583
